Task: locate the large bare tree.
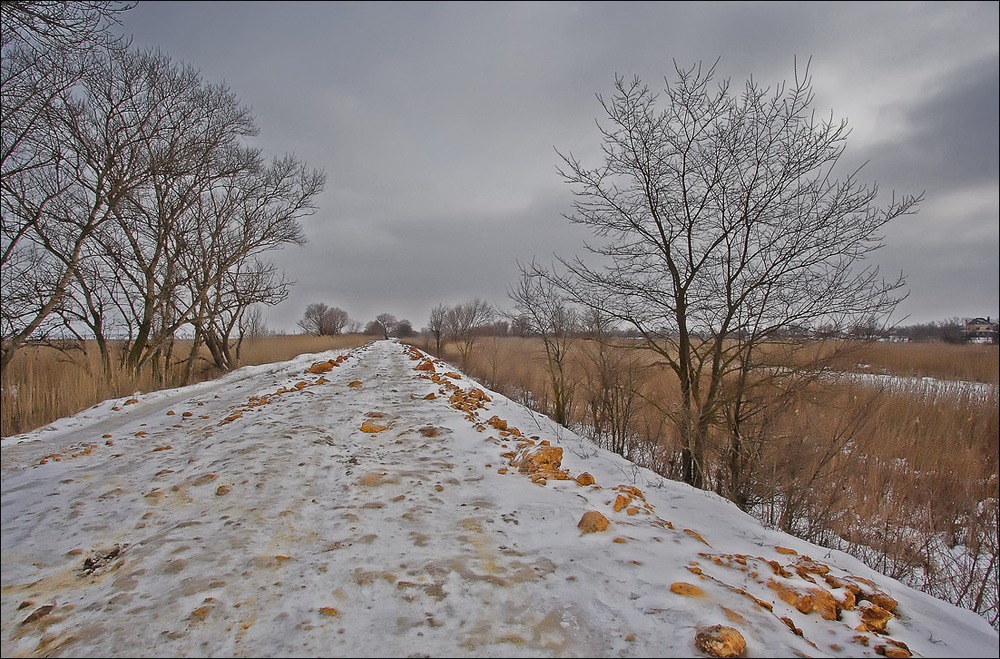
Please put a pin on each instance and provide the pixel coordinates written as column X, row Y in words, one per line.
column 47, row 47
column 722, row 225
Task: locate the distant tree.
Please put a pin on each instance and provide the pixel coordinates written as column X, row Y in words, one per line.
column 312, row 320
column 437, row 325
column 722, row 222
column 321, row 320
column 550, row 316
column 404, row 329
column 387, row 323
column 952, row 330
column 463, row 322
column 335, row 321
column 520, row 325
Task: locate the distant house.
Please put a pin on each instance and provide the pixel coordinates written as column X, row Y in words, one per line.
column 981, row 330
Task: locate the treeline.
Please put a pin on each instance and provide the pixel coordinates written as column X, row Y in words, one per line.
column 134, row 206
column 952, row 330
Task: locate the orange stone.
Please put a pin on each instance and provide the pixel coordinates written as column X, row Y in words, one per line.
column 543, row 458
column 321, row 367
column 720, row 641
column 372, row 427
column 684, row 588
column 696, row 535
column 593, row 521
column 812, row 600
column 873, row 619
column 585, row 479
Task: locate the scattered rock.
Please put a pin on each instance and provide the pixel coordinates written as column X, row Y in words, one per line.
column 720, row 641
column 372, row 427
column 102, row 560
column 696, row 536
column 873, row 618
column 321, row 367
column 684, row 588
column 538, row 459
column 892, row 651
column 201, row 612
column 38, row 614
column 812, row 600
column 592, row 522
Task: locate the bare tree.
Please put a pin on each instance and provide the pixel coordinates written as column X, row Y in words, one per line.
column 437, row 326
column 404, row 329
column 46, row 48
column 312, row 319
column 386, row 323
column 335, row 321
column 548, row 314
column 722, row 223
column 155, row 217
column 321, row 320
column 42, row 26
column 463, row 322
column 520, row 325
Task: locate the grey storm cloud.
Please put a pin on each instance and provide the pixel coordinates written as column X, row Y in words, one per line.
column 438, row 125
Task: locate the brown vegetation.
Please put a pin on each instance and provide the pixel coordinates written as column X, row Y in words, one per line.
column 43, row 384
column 897, row 477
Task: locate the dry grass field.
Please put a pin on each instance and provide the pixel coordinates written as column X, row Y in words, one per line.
column 904, row 477
column 44, row 384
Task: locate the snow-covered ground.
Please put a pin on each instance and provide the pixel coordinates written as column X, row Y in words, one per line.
column 925, row 387
column 377, row 502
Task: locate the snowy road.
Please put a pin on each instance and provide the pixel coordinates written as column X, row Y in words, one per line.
column 378, row 503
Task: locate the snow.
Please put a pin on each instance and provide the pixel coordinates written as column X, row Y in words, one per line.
column 260, row 520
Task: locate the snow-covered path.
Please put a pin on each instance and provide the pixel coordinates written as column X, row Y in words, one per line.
column 378, row 503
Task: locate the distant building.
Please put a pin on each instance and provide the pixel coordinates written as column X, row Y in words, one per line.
column 981, row 330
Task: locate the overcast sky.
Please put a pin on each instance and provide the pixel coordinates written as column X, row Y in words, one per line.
column 437, row 125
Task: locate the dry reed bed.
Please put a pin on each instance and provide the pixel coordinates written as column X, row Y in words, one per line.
column 900, row 471
column 44, row 384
